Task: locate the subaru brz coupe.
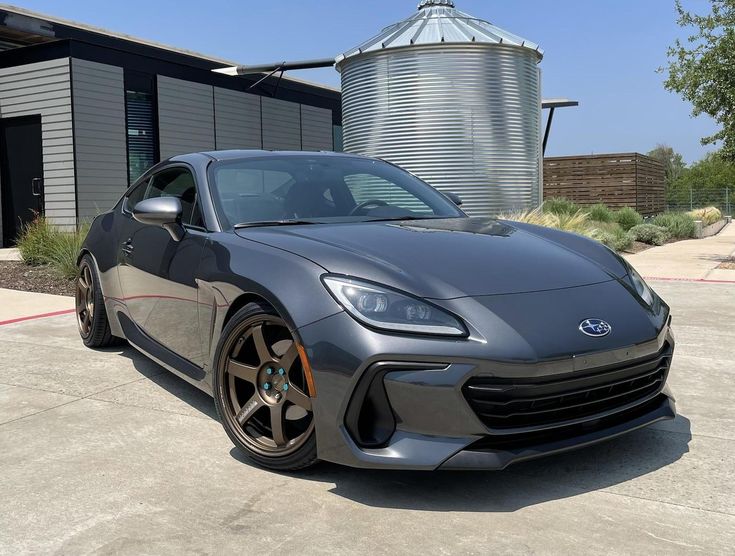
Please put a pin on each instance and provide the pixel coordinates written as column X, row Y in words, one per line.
column 338, row 308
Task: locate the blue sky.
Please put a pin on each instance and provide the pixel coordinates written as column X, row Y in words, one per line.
column 603, row 53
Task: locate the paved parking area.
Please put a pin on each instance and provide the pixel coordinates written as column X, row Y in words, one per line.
column 105, row 452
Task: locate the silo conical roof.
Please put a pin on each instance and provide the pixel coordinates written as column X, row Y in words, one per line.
column 439, row 22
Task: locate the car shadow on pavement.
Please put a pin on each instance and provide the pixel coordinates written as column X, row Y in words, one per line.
column 524, row 484
column 178, row 387
column 597, row 467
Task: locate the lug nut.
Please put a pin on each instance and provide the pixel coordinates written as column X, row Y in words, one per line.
column 269, row 371
column 281, row 371
column 285, row 387
column 267, row 386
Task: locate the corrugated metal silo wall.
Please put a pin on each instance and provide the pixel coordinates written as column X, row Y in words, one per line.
column 465, row 118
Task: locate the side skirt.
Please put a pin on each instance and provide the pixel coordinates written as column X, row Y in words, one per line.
column 162, row 355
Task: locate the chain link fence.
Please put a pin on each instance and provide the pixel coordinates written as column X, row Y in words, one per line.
column 690, row 199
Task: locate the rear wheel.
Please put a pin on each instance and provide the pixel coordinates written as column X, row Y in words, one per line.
column 261, row 390
column 94, row 328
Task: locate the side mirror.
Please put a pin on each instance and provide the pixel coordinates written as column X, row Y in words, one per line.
column 161, row 211
column 456, row 199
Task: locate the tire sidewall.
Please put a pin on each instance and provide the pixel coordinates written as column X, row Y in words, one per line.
column 99, row 331
column 300, row 458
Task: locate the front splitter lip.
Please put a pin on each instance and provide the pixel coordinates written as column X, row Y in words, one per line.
column 489, row 459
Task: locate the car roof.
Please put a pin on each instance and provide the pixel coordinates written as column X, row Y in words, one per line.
column 236, row 154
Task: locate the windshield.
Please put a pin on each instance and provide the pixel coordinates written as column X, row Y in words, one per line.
column 320, row 189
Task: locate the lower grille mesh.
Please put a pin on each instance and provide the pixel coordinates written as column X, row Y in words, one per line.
column 503, row 403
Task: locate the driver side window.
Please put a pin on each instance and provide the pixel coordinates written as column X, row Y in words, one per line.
column 174, row 182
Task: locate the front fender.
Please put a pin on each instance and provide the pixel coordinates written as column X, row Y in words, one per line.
column 234, row 269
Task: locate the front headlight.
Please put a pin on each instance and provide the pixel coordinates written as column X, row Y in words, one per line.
column 387, row 309
column 641, row 287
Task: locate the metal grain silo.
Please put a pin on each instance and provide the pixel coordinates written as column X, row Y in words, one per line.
column 453, row 99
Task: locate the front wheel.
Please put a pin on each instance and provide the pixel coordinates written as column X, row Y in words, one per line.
column 261, row 390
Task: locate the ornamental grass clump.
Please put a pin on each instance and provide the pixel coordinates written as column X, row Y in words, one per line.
column 40, row 243
column 708, row 215
column 627, row 218
column 577, row 222
column 559, row 205
column 600, row 213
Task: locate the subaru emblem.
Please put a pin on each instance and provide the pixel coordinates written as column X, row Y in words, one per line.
column 595, row 327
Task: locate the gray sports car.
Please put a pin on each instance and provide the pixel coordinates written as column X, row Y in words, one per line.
column 338, row 308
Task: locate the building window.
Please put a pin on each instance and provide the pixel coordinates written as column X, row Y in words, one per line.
column 141, row 133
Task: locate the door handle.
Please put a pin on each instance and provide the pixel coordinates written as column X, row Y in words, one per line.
column 127, row 247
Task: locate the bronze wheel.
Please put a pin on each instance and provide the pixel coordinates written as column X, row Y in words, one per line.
column 84, row 299
column 94, row 328
column 262, row 390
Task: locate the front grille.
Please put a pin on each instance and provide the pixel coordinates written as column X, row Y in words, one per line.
column 508, row 403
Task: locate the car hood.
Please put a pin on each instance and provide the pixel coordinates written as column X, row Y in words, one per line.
column 448, row 258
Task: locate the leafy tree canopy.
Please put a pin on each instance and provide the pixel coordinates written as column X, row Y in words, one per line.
column 702, row 71
column 673, row 162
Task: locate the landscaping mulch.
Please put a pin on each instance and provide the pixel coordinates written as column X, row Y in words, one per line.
column 728, row 264
column 40, row 279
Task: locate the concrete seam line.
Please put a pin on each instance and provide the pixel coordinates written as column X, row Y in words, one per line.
column 41, row 316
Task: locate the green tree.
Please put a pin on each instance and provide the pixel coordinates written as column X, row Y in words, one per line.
column 702, row 69
column 672, row 161
column 707, row 180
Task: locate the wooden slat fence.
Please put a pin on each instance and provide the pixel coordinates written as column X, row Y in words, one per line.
column 618, row 180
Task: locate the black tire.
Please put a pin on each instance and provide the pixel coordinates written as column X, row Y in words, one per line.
column 94, row 328
column 247, row 408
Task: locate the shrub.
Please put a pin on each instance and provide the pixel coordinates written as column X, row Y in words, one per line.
column 559, row 205
column 40, row 243
column 615, row 238
column 708, row 215
column 600, row 213
column 627, row 218
column 650, row 234
column 679, row 224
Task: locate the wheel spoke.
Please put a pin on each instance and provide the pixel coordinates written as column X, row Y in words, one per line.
column 264, row 353
column 279, row 436
column 249, row 409
column 296, row 396
column 87, row 277
column 289, row 357
column 240, row 370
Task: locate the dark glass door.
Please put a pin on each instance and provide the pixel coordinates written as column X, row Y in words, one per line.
column 21, row 160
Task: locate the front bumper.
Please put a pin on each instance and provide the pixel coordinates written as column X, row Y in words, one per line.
column 433, row 425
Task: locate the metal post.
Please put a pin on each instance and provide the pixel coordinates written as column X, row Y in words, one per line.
column 548, row 129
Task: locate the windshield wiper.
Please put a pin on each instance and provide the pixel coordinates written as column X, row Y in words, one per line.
column 265, row 223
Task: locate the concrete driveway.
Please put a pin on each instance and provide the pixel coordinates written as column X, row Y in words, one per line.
column 105, row 452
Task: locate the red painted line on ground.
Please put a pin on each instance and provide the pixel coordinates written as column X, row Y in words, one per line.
column 704, row 280
column 41, row 316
